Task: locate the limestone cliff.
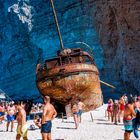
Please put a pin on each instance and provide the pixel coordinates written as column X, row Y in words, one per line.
column 28, row 34
column 118, row 26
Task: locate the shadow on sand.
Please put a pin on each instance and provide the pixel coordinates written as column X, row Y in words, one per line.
column 123, row 139
column 54, row 139
column 58, row 139
column 67, row 122
column 102, row 120
column 65, row 128
column 110, row 124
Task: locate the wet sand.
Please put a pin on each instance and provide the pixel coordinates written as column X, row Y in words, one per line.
column 99, row 129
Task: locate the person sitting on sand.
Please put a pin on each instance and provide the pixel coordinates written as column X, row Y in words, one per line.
column 22, row 128
column 37, row 121
column 49, row 113
column 110, row 109
column 75, row 111
column 129, row 113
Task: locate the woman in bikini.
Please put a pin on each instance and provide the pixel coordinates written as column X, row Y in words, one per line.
column 110, row 109
column 121, row 109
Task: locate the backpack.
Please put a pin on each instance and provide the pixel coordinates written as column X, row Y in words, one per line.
column 138, row 117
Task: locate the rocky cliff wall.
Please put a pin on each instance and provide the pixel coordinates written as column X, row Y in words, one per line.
column 118, row 26
column 28, row 34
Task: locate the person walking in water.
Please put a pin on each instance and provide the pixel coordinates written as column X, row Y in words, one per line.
column 81, row 106
column 22, row 128
column 49, row 113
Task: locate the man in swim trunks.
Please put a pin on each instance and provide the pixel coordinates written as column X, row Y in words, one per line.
column 10, row 116
column 21, row 119
column 129, row 113
column 49, row 113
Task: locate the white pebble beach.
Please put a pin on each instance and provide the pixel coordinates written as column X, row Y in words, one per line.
column 99, row 129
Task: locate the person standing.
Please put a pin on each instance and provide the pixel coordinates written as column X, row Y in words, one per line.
column 75, row 111
column 22, row 128
column 49, row 113
column 81, row 106
column 136, row 121
column 115, row 112
column 129, row 113
column 121, row 109
column 2, row 112
column 110, row 109
column 28, row 107
column 10, row 116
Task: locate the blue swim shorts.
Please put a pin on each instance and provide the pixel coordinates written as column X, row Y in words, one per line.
column 80, row 112
column 10, row 118
column 128, row 126
column 46, row 127
column 1, row 114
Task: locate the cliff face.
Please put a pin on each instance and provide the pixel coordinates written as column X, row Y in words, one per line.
column 18, row 53
column 28, row 34
column 118, row 26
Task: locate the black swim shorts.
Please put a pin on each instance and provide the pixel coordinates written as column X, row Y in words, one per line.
column 46, row 127
column 129, row 131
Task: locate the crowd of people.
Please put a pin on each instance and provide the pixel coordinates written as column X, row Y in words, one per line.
column 126, row 111
column 21, row 111
column 11, row 112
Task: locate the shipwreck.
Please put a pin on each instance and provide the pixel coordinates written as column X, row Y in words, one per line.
column 70, row 76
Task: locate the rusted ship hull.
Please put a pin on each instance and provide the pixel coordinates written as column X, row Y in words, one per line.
column 71, row 82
